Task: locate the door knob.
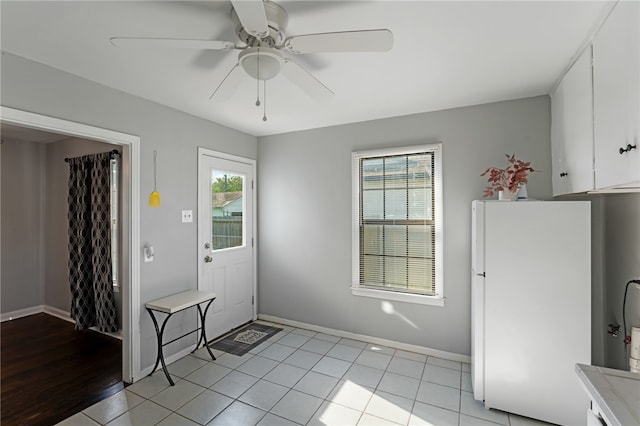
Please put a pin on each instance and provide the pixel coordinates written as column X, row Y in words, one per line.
column 208, row 259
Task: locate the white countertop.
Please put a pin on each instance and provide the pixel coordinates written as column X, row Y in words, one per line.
column 180, row 301
column 615, row 392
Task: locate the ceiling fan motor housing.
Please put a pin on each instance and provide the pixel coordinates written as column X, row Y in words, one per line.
column 277, row 20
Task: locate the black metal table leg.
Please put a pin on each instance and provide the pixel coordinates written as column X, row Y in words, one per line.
column 203, row 334
column 160, row 357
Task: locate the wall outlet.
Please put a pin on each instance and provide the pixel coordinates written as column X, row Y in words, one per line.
column 187, row 216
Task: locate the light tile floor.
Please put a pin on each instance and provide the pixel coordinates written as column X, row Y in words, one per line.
column 299, row 377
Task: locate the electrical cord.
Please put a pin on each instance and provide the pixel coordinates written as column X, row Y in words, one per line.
column 627, row 338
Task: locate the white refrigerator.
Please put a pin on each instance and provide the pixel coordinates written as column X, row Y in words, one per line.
column 531, row 307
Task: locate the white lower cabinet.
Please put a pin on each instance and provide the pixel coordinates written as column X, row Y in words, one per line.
column 614, row 395
column 616, row 82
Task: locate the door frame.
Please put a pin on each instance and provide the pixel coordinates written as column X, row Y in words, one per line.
column 254, row 222
column 131, row 265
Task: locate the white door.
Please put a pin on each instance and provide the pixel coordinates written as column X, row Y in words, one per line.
column 225, row 239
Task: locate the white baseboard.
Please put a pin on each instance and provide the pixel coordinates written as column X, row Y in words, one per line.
column 21, row 313
column 50, row 310
column 369, row 339
column 58, row 313
column 168, row 360
column 65, row 315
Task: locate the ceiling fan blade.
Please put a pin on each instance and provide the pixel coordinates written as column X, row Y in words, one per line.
column 344, row 41
column 171, row 43
column 303, row 79
column 229, row 84
column 252, row 16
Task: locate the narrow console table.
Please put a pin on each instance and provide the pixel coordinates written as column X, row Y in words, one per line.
column 176, row 303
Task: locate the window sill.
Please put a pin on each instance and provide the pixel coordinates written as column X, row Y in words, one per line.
column 398, row 297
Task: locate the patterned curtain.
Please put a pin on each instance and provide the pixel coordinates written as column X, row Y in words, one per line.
column 92, row 299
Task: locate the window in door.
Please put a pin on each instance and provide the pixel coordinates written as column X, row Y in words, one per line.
column 227, row 210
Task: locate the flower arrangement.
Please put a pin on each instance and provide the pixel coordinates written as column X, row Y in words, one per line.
column 508, row 178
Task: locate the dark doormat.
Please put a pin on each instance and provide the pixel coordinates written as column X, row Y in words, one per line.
column 243, row 340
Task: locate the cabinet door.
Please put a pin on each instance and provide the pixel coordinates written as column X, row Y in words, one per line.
column 572, row 129
column 616, row 74
column 558, row 149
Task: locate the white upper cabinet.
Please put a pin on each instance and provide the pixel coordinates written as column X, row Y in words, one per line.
column 572, row 129
column 616, row 82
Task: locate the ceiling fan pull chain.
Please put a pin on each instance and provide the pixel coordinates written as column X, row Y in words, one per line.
column 258, row 81
column 264, row 116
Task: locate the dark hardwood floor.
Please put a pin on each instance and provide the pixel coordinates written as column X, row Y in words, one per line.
column 49, row 371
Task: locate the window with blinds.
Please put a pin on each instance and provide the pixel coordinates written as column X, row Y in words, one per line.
column 397, row 199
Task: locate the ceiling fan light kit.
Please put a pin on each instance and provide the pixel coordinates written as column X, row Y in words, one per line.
column 261, row 31
column 261, row 63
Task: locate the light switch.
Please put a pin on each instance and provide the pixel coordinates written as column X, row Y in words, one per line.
column 149, row 252
column 187, row 216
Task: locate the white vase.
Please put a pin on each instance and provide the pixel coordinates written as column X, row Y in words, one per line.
column 506, row 195
column 522, row 193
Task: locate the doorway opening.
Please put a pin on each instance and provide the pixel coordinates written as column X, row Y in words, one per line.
column 130, row 221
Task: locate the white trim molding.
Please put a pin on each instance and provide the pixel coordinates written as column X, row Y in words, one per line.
column 58, row 313
column 168, row 360
column 54, row 312
column 369, row 339
column 131, row 295
column 436, row 299
column 21, row 313
column 39, row 309
column 421, row 299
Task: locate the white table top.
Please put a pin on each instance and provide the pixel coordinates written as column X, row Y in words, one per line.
column 180, row 301
column 616, row 392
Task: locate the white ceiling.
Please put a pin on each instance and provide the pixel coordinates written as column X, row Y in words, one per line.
column 446, row 54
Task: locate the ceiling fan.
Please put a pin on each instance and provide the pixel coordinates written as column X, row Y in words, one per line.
column 265, row 47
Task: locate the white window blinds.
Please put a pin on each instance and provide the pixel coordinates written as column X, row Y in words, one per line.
column 396, row 221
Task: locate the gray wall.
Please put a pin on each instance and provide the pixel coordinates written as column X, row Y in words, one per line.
column 34, row 201
column 29, row 86
column 22, row 225
column 304, row 211
column 622, row 260
column 598, row 322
